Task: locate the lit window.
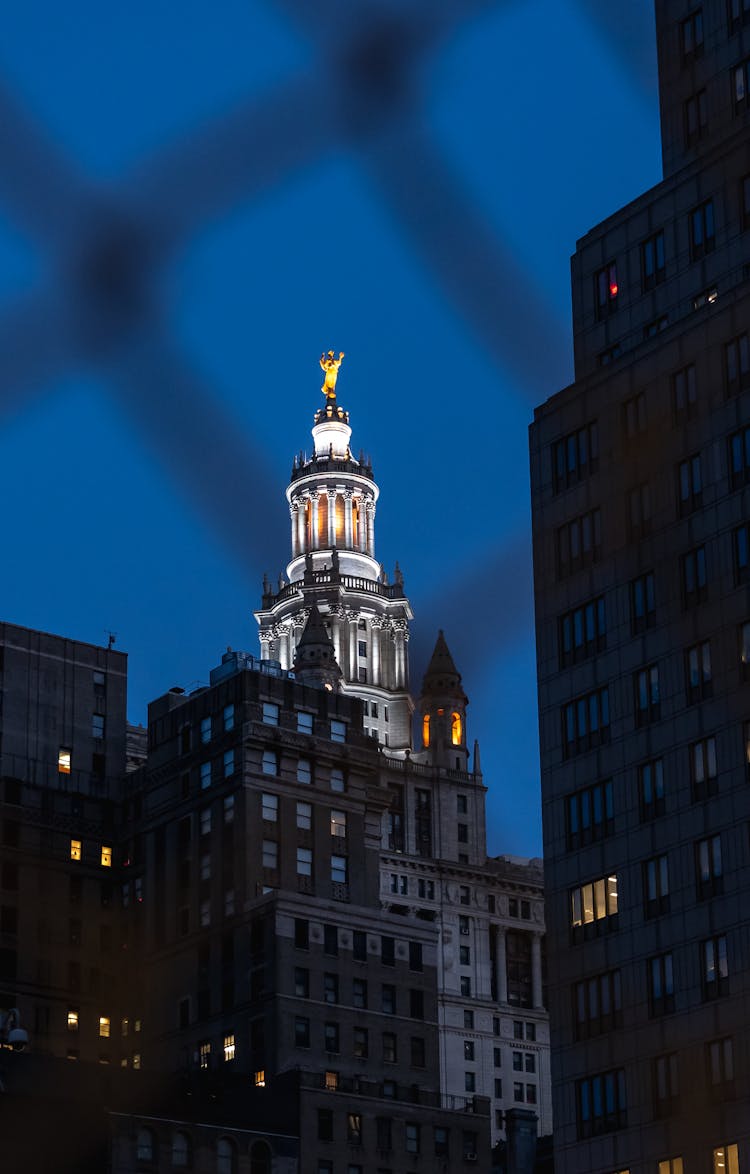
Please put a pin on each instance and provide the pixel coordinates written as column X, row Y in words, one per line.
column 136, row 1059
column 106, row 859
column 426, row 731
column 75, row 849
column 606, row 290
column 259, row 1078
column 726, row 1160
column 72, row 1019
column 229, row 1047
column 64, row 755
column 593, row 903
column 105, row 1026
column 456, row 729
column 671, row 1166
column 331, row 1081
column 97, row 725
column 204, row 1054
column 338, row 823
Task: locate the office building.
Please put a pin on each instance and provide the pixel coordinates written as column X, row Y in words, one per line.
column 641, row 563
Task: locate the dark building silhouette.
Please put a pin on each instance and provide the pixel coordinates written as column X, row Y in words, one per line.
column 640, row 515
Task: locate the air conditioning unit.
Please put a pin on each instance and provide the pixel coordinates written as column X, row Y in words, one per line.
column 470, row 1157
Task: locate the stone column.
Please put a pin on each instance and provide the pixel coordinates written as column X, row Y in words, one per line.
column 399, row 627
column 371, row 529
column 536, row 970
column 361, row 525
column 353, row 634
column 314, row 498
column 348, row 537
column 375, row 625
column 302, row 523
column 331, row 517
column 501, row 962
column 294, row 515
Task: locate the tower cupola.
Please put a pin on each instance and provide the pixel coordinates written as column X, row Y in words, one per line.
column 442, row 710
column 315, row 657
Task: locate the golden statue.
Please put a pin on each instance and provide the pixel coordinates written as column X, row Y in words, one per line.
column 331, row 368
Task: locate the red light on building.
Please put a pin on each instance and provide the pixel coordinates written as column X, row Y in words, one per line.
column 613, row 287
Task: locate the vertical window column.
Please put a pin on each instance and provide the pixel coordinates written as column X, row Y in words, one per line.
column 375, row 626
column 501, row 965
column 536, row 970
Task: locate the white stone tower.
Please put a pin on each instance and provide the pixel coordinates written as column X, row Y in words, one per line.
column 332, row 500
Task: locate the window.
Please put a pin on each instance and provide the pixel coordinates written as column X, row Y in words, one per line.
column 634, row 420
column 205, row 775
column 638, row 512
column 470, row 1082
column 469, row 1049
column 304, row 862
column 304, row 770
column 64, row 755
column 739, row 458
column 608, row 356
column 698, row 679
column 301, row 934
column 684, row 391
column 660, row 985
column 75, row 849
column 270, row 807
column 206, row 729
column 330, row 940
column 389, row 1047
column 354, row 1128
column 647, row 695
column 383, row 1133
column 585, row 722
column 726, row 1157
column 720, row 1068
column 338, row 731
column 301, row 1032
column 708, row 867
column 412, row 1138
column 665, row 1086
column 105, row 1026
column 337, row 780
column 464, row 955
column 714, row 967
column 144, row 1146
column 597, row 1004
column 531, row 1032
column 740, row 85
column 441, row 1141
column 229, row 1048
column 689, row 485
column 304, row 722
column 655, row 326
column 181, row 1150
column 228, row 716
column 339, row 870
column 741, row 554
column 463, row 833
column 73, row 1019
column 325, row 1126
column 304, row 816
column 338, row 823
column 696, row 119
column 593, row 907
column 97, row 725
column 589, row 814
column 330, row 988
column 579, row 543
column 464, row 894
column 361, row 1046
column 331, row 1037
column 653, row 270
column 359, row 993
column 415, row 956
column 642, row 603
column 497, row 1058
column 703, row 771
column 744, row 643
column 228, row 763
column 694, row 577
column 518, row 968
column 301, row 982
column 463, row 924
column 575, row 457
column 270, row 763
column 582, row 632
column 465, row 982
column 270, row 713
column 737, row 364
column 601, row 1104
column 388, row 951
column 606, row 290
column 468, row 1019
column 651, row 788
column 656, row 886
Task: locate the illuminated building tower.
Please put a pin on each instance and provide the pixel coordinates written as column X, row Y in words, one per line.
column 442, row 712
column 332, row 499
column 640, row 473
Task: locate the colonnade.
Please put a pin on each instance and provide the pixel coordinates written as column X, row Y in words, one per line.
column 326, row 518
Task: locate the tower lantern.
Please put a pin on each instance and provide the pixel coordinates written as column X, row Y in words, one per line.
column 332, row 499
column 442, row 711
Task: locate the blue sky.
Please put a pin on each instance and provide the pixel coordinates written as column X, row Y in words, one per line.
column 119, row 518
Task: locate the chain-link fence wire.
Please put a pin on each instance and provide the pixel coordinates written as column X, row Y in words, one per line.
column 107, row 251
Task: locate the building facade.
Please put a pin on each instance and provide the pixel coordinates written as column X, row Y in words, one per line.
column 641, row 564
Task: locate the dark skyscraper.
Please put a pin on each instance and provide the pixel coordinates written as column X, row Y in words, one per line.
column 642, row 560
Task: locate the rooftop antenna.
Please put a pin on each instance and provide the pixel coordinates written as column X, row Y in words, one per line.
column 111, row 637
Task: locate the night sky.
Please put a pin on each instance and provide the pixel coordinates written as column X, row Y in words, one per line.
column 195, row 201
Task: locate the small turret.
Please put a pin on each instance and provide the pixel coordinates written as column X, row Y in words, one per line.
column 442, row 707
column 315, row 657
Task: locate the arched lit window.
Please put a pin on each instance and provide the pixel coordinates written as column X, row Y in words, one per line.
column 426, row 730
column 145, row 1148
column 226, row 1156
column 181, row 1151
column 260, row 1158
column 456, row 728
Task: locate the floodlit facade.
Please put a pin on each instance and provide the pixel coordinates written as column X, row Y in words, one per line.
column 640, row 518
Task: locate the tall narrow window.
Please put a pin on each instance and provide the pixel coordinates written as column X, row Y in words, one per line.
column 606, row 290
column 426, row 731
column 64, row 755
column 653, row 270
column 737, row 364
column 456, row 729
column 702, row 230
column 691, row 44
column 696, row 117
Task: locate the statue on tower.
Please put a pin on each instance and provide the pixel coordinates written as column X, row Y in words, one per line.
column 331, row 367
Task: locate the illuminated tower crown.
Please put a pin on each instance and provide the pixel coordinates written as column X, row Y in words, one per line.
column 332, row 500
